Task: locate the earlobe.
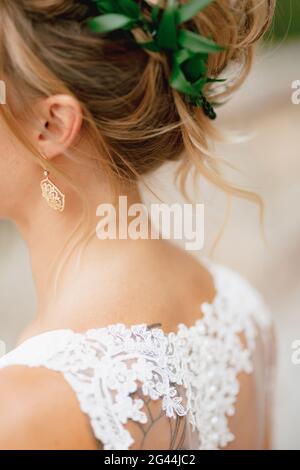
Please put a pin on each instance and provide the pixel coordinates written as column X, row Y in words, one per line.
column 62, row 123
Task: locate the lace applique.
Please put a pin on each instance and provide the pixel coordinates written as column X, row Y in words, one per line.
column 105, row 367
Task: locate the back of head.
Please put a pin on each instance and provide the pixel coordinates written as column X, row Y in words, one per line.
column 136, row 120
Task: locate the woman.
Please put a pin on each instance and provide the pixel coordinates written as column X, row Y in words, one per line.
column 135, row 345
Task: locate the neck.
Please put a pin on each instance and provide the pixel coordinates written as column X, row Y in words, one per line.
column 57, row 241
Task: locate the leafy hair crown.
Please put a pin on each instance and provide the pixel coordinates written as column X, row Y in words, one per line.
column 187, row 50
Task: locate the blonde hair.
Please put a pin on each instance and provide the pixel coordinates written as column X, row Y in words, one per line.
column 134, row 118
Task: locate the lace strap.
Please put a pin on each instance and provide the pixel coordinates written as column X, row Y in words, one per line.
column 104, row 368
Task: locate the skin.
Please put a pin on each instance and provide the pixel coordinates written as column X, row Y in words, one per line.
column 117, row 280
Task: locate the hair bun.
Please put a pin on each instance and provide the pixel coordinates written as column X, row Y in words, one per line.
column 135, row 120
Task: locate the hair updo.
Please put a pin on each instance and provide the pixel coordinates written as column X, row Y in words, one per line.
column 136, row 120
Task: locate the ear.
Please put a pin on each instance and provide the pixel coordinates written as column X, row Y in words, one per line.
column 62, row 118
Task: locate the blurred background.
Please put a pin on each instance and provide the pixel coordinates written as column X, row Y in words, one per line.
column 269, row 163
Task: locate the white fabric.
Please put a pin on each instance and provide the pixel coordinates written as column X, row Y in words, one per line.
column 192, row 372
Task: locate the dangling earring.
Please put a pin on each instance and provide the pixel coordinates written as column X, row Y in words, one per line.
column 53, row 196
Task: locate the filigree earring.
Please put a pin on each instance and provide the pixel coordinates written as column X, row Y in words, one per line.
column 53, row 196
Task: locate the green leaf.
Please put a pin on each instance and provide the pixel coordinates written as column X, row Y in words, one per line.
column 109, row 22
column 150, row 46
column 196, row 43
column 167, row 30
column 107, row 6
column 188, row 11
column 182, row 55
column 179, row 82
column 216, row 80
column 199, row 84
column 194, row 68
column 155, row 13
column 129, row 8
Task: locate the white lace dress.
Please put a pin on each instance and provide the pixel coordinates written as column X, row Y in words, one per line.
column 137, row 383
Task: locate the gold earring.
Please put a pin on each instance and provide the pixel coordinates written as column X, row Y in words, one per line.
column 53, row 196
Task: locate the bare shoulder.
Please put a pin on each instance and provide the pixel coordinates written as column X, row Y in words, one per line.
column 149, row 281
column 165, row 283
column 39, row 411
